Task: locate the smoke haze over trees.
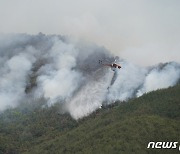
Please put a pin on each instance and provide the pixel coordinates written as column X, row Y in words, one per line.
column 66, row 71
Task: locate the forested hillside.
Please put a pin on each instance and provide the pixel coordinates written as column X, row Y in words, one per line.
column 125, row 127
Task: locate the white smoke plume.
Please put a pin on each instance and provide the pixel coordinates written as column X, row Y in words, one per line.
column 66, row 71
column 159, row 78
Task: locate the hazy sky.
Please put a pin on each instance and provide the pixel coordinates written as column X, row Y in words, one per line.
column 142, row 31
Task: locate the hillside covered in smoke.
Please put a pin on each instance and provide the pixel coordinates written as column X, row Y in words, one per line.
column 62, row 70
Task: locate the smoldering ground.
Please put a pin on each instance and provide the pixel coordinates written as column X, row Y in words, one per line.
column 62, row 70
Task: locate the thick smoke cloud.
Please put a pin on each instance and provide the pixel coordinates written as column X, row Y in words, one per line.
column 160, row 77
column 66, row 71
column 136, row 30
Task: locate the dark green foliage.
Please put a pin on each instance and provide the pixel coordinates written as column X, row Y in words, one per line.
column 126, row 127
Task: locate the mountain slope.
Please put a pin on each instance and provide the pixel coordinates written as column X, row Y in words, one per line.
column 125, row 127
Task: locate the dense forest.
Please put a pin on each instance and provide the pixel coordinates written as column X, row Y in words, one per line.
column 124, row 127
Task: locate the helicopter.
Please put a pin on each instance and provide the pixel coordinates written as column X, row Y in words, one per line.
column 112, row 65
